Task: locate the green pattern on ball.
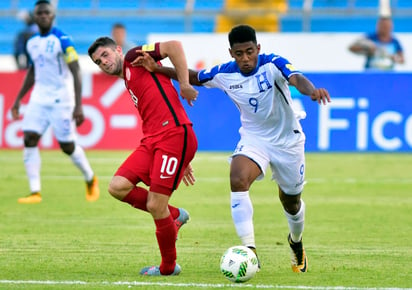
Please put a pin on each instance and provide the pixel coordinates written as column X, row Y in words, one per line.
column 242, row 269
column 228, row 274
column 254, row 261
column 240, row 252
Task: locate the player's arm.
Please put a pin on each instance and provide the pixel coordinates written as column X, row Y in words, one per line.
column 145, row 60
column 305, row 87
column 188, row 176
column 174, row 51
column 72, row 60
column 152, row 66
column 26, row 86
column 399, row 57
column 363, row 46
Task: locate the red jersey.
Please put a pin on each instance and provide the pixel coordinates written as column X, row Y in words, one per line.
column 153, row 94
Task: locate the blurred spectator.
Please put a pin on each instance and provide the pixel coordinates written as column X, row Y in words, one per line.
column 119, row 35
column 20, row 54
column 381, row 48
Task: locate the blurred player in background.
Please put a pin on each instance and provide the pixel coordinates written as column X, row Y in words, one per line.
column 270, row 134
column 55, row 101
column 169, row 142
column 381, row 48
column 21, row 55
column 119, row 35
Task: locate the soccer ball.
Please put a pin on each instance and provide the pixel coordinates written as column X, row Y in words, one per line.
column 239, row 264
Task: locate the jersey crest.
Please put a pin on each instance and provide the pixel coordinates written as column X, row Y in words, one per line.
column 262, row 81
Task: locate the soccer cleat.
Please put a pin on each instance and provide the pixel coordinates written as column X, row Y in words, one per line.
column 298, row 256
column 155, row 271
column 182, row 218
column 92, row 190
column 254, row 251
column 35, row 197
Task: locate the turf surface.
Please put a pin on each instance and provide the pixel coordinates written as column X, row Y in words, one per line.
column 358, row 231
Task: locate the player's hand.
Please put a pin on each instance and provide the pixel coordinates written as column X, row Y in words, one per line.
column 189, row 93
column 188, row 176
column 321, row 96
column 78, row 116
column 145, row 60
column 15, row 111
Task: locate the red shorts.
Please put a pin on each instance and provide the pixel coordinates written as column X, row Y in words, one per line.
column 160, row 161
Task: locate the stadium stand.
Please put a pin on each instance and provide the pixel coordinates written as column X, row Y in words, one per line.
column 343, row 16
column 86, row 20
column 262, row 14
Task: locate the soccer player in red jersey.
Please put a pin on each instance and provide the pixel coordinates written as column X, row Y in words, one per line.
column 169, row 144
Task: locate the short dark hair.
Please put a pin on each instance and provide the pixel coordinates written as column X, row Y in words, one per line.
column 118, row 25
column 242, row 33
column 42, row 2
column 101, row 41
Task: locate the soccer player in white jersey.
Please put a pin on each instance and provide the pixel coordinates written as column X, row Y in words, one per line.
column 271, row 134
column 55, row 101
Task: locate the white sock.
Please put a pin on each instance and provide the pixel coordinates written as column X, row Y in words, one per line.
column 80, row 160
column 32, row 163
column 242, row 215
column 296, row 223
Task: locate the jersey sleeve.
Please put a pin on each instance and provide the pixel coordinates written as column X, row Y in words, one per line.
column 152, row 49
column 284, row 66
column 398, row 46
column 210, row 77
column 70, row 53
column 206, row 75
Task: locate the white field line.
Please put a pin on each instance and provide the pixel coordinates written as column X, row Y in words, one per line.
column 188, row 285
column 225, row 179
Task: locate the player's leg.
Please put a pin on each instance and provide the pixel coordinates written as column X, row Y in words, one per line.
column 289, row 171
column 294, row 209
column 135, row 169
column 247, row 165
column 243, row 172
column 166, row 233
column 32, row 164
column 79, row 159
column 122, row 186
column 173, row 153
column 64, row 129
column 35, row 123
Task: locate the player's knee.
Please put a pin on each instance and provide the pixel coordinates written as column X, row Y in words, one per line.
column 116, row 190
column 291, row 203
column 120, row 187
column 31, row 139
column 157, row 209
column 239, row 183
column 67, row 148
column 152, row 206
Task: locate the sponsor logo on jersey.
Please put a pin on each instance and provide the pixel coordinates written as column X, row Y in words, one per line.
column 235, row 87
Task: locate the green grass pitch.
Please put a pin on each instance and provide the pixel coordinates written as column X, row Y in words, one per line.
column 358, row 232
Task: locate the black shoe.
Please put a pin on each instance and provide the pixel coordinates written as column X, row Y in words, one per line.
column 254, row 251
column 298, row 256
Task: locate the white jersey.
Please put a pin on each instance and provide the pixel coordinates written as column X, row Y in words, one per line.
column 262, row 97
column 50, row 54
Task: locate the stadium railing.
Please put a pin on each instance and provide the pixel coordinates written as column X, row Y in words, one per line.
column 86, row 20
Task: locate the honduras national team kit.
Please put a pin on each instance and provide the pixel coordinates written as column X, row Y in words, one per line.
column 270, row 132
column 52, row 97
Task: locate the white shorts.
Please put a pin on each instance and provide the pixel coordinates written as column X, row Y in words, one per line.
column 286, row 162
column 37, row 118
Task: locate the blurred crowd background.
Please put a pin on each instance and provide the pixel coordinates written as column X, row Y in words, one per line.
column 86, row 20
column 370, row 109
